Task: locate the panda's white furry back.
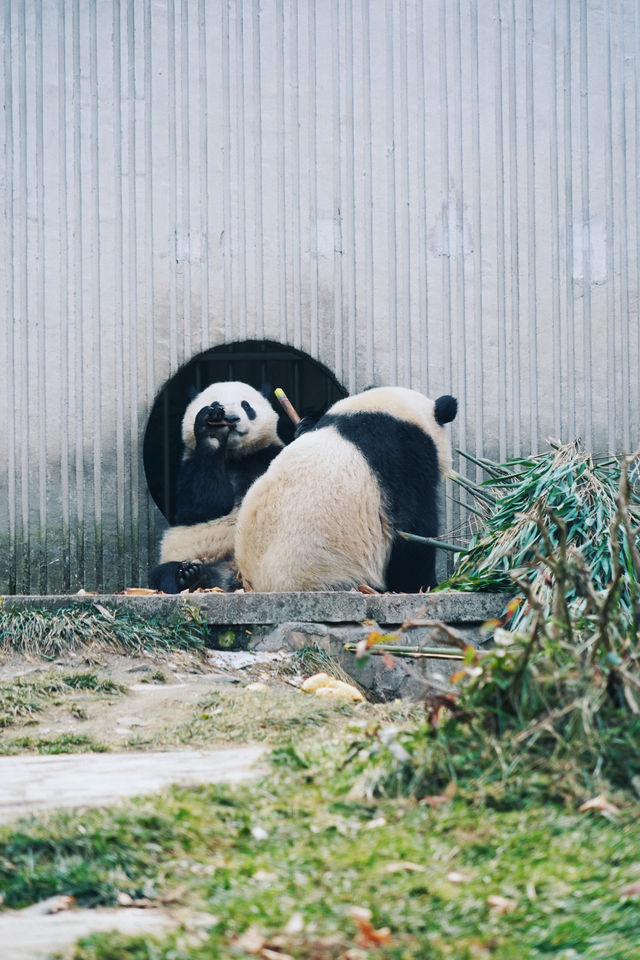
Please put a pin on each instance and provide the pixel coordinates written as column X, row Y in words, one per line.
column 325, row 514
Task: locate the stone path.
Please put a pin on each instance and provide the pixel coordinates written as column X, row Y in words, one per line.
column 30, row 784
column 33, row 935
column 37, row 784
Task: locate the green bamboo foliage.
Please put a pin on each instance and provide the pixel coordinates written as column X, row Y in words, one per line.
column 563, row 501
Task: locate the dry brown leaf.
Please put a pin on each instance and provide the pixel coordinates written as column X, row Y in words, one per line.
column 103, row 610
column 388, row 660
column 375, row 823
column 59, row 904
column 398, row 866
column 361, row 648
column 364, row 588
column 601, row 804
column 124, row 900
column 269, row 954
column 139, row 591
column 294, row 925
column 500, row 904
column 368, row 936
column 631, row 889
column 251, row 941
column 440, row 799
column 264, row 876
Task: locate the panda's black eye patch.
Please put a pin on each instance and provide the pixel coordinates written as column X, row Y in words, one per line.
column 248, row 409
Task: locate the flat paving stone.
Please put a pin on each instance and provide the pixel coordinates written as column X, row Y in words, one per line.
column 32, row 785
column 30, row 935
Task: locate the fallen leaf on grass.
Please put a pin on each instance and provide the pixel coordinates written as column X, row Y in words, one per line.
column 501, row 904
column 269, row 954
column 440, row 799
column 368, row 936
column 251, row 941
column 601, row 804
column 124, row 900
column 375, row 823
column 264, row 876
column 631, row 889
column 398, row 866
column 59, row 904
column 455, row 876
column 295, row 925
column 103, row 610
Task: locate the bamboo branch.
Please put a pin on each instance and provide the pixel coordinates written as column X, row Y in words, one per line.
column 416, row 653
column 473, row 488
column 493, row 471
column 430, row 542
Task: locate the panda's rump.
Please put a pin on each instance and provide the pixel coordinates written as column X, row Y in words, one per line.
column 315, row 520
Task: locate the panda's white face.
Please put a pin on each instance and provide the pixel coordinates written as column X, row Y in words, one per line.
column 256, row 423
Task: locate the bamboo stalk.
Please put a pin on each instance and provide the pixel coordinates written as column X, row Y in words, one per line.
column 287, row 406
column 474, row 488
column 430, row 542
column 441, row 653
column 483, row 464
column 466, row 506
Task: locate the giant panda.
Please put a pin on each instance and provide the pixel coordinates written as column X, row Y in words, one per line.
column 229, row 432
column 326, row 513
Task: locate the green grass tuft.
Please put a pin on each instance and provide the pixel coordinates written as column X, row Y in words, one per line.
column 22, row 698
column 49, row 633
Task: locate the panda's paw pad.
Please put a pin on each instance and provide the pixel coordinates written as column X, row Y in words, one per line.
column 189, row 575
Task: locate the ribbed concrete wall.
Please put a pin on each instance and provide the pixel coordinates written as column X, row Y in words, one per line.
column 442, row 194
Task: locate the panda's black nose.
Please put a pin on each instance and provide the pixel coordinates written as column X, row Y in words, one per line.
column 232, row 418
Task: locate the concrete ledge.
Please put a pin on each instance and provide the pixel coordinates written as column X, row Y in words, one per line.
column 274, row 608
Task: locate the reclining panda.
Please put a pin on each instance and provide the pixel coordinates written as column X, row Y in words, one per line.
column 325, row 515
column 229, row 432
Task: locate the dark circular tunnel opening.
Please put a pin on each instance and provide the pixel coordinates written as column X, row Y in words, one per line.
column 264, row 364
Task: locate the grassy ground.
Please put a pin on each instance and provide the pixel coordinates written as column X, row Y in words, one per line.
column 279, row 867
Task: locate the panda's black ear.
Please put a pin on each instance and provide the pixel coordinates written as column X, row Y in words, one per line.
column 445, row 409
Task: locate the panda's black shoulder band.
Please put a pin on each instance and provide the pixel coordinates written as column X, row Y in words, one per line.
column 445, row 409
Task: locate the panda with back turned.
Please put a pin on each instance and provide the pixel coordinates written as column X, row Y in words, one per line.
column 326, row 513
column 229, row 432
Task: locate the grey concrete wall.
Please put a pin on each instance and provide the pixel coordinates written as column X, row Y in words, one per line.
column 442, row 194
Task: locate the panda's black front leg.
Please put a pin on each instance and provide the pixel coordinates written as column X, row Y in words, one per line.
column 204, row 490
column 174, row 576
column 191, row 575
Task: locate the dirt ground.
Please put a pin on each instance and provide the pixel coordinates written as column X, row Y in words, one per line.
column 160, row 693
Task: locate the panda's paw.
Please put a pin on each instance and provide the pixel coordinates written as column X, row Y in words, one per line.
column 212, row 426
column 190, row 575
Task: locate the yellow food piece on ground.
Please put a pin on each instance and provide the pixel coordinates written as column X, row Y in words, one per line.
column 311, row 684
column 325, row 686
